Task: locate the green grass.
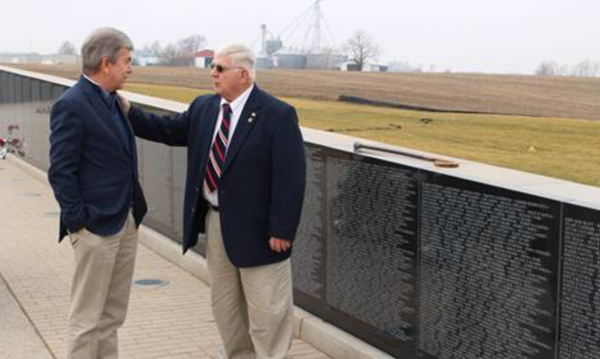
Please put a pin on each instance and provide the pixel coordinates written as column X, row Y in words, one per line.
column 555, row 147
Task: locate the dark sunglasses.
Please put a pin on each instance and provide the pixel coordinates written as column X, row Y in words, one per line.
column 220, row 68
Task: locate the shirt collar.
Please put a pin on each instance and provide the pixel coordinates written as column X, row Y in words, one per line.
column 240, row 101
column 106, row 96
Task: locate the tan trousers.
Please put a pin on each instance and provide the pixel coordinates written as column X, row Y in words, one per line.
column 253, row 307
column 100, row 291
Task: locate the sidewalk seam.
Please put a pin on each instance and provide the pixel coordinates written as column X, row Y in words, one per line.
column 16, row 299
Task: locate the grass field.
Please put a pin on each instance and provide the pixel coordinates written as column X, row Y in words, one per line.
column 562, row 148
column 564, row 97
column 561, row 140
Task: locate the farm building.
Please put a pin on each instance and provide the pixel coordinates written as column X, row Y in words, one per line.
column 204, row 58
column 368, row 67
column 145, row 58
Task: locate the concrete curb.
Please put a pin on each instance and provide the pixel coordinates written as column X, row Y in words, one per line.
column 325, row 337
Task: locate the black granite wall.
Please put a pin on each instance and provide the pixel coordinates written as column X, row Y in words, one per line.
column 418, row 264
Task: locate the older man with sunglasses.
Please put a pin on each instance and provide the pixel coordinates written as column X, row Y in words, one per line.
column 245, row 187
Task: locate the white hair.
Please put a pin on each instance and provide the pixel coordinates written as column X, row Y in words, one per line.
column 240, row 55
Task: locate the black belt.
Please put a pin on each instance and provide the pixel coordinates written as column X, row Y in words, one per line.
column 214, row 208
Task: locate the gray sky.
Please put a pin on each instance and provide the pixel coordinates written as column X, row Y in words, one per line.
column 502, row 36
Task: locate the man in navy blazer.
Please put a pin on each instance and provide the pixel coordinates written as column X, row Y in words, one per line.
column 93, row 172
column 245, row 187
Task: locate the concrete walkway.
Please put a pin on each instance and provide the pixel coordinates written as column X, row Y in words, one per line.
column 15, row 327
column 169, row 321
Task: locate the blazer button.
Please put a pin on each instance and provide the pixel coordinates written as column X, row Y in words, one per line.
column 193, row 210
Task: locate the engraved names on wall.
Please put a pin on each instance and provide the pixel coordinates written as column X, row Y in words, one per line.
column 488, row 272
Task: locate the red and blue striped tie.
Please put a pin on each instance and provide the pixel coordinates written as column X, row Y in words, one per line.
column 216, row 157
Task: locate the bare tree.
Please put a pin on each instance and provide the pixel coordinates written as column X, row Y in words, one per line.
column 586, row 68
column 550, row 68
column 169, row 55
column 67, row 48
column 361, row 48
column 192, row 44
column 154, row 48
column 180, row 53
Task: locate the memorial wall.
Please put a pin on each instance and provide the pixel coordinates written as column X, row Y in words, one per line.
column 419, row 263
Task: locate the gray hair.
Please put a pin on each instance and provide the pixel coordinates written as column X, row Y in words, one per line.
column 240, row 55
column 103, row 42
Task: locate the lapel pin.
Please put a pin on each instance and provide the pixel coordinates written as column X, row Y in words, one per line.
column 252, row 117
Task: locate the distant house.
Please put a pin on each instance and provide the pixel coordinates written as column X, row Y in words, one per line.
column 35, row 58
column 367, row 67
column 203, row 59
column 20, row 58
column 349, row 66
column 375, row 68
column 145, row 58
column 61, row 59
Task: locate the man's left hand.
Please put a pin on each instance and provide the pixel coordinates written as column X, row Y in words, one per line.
column 279, row 245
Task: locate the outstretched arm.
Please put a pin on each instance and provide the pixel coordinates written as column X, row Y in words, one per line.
column 170, row 130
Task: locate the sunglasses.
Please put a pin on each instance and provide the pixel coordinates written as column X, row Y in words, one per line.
column 220, row 68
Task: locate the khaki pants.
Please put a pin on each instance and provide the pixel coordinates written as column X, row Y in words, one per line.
column 100, row 291
column 253, row 307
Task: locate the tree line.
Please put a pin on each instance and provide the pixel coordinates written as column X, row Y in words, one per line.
column 586, row 68
column 179, row 53
column 360, row 48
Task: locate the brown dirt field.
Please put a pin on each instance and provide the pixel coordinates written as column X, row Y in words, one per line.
column 565, row 97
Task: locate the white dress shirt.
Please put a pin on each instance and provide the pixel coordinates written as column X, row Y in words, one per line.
column 237, row 106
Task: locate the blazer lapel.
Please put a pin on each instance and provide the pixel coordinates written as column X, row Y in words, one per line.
column 96, row 100
column 245, row 124
column 130, row 136
column 206, row 130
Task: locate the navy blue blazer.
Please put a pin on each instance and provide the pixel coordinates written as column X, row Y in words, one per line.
column 262, row 184
column 93, row 170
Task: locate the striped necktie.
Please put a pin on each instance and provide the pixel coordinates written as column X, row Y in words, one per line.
column 216, row 157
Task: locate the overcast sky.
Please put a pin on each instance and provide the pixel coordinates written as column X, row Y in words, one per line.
column 501, row 36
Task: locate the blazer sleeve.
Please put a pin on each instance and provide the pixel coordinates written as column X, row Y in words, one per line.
column 288, row 176
column 170, row 130
column 66, row 146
